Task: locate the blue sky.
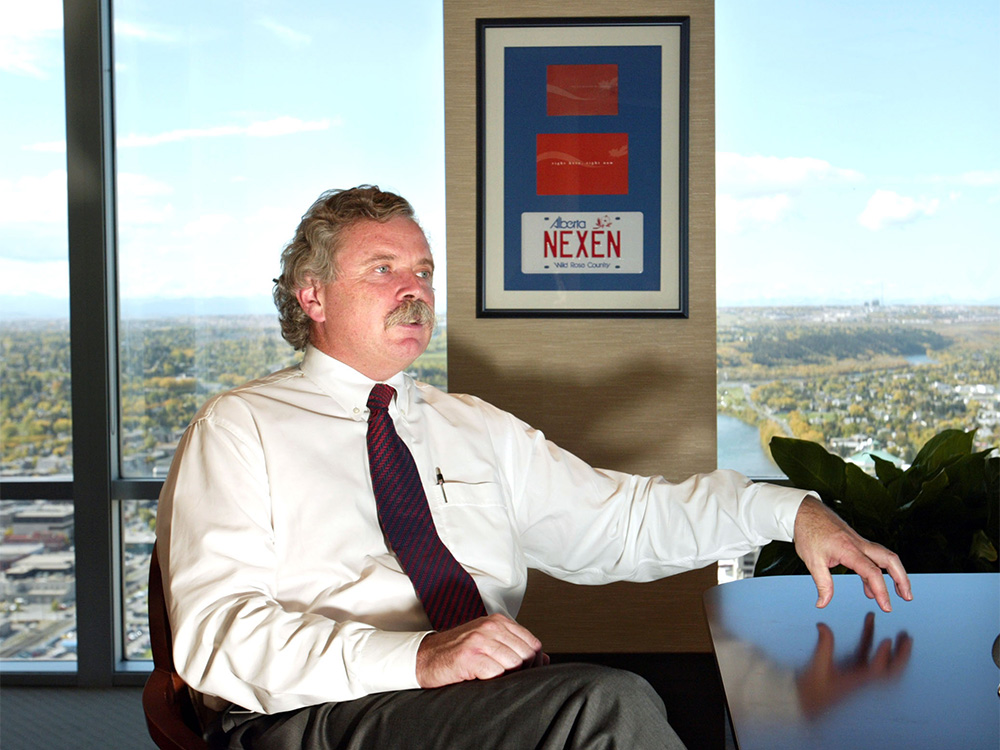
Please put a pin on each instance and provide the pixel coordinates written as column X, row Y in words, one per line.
column 858, row 148
column 858, row 151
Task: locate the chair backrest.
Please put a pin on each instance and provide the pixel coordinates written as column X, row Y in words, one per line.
column 170, row 715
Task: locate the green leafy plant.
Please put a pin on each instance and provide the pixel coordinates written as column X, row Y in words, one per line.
column 941, row 515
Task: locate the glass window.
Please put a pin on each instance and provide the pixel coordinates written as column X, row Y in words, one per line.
column 139, row 537
column 35, row 415
column 36, row 430
column 857, row 189
column 37, row 581
column 231, row 119
column 37, row 554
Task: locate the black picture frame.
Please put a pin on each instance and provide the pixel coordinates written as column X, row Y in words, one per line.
column 617, row 86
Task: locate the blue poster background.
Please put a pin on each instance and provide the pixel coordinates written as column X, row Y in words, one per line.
column 639, row 114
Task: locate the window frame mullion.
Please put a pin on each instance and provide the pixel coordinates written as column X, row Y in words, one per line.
column 93, row 333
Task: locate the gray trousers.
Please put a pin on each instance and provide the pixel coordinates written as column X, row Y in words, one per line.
column 558, row 706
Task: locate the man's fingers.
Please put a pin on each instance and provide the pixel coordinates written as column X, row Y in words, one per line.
column 521, row 641
column 824, row 584
column 876, row 584
column 872, row 576
column 481, row 649
column 872, row 559
column 889, row 561
column 498, row 639
column 511, row 653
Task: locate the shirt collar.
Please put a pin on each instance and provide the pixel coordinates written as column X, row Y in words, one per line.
column 350, row 388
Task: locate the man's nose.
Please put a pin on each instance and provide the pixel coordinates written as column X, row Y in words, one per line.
column 411, row 286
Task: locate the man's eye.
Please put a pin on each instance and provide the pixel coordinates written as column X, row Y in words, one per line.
column 425, row 274
column 382, row 269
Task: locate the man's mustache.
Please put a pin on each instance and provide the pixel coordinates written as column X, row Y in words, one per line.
column 411, row 311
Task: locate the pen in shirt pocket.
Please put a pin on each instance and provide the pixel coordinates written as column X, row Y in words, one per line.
column 440, row 481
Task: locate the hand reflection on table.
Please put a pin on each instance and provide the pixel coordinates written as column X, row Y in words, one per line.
column 824, row 682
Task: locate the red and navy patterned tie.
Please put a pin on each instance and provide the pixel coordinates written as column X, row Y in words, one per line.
column 445, row 588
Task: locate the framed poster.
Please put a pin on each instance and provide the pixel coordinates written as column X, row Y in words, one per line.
column 582, row 167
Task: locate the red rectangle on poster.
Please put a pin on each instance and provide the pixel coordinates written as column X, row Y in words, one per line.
column 582, row 164
column 582, row 89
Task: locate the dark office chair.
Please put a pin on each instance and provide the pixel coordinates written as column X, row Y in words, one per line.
column 170, row 714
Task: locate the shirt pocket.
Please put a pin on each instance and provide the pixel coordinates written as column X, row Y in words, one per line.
column 474, row 523
column 450, row 492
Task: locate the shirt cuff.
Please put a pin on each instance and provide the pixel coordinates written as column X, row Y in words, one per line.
column 779, row 507
column 386, row 661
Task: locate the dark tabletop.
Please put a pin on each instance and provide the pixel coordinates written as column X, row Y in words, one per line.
column 851, row 676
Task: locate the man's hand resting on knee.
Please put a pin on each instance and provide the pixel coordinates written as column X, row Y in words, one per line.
column 478, row 650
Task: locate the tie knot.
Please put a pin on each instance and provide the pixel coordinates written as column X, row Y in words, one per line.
column 380, row 396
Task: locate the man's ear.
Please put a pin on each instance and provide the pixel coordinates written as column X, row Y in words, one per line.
column 311, row 302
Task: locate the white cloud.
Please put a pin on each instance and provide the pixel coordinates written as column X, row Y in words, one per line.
column 981, row 178
column 141, row 186
column 284, row 33
column 142, row 33
column 28, row 32
column 265, row 129
column 48, row 147
column 732, row 215
column 973, row 178
column 23, row 278
column 737, row 173
column 34, row 200
column 33, row 221
column 194, row 260
column 285, row 126
column 887, row 208
column 141, row 200
column 759, row 190
column 209, row 225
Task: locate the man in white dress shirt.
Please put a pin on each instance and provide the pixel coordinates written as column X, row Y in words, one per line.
column 292, row 616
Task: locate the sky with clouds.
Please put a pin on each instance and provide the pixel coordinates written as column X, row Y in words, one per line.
column 857, row 142
column 231, row 118
column 858, row 151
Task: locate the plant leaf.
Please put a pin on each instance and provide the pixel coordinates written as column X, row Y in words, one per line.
column 982, row 547
column 930, row 492
column 810, row 467
column 779, row 559
column 968, row 478
column 942, row 448
column 868, row 499
column 993, row 499
column 889, row 475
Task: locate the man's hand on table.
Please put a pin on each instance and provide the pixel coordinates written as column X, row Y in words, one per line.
column 823, row 540
column 478, row 650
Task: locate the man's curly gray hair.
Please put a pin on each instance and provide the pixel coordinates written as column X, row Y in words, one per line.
column 311, row 256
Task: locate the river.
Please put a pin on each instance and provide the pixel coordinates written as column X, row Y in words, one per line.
column 740, row 449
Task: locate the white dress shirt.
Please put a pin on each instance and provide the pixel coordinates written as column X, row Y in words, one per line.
column 281, row 590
